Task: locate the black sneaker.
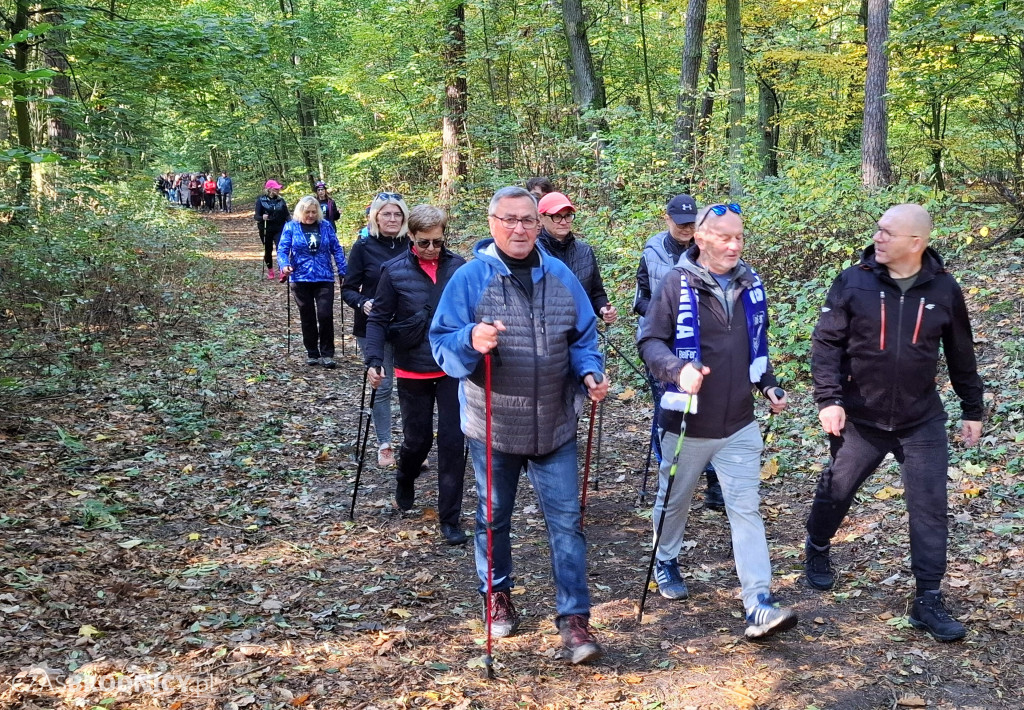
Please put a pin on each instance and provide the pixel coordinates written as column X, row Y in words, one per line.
column 713, row 497
column 504, row 617
column 453, row 534
column 577, row 639
column 930, row 614
column 312, row 361
column 328, row 362
column 405, row 493
column 818, row 566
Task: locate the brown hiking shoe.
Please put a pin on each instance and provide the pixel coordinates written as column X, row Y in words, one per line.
column 504, row 617
column 577, row 639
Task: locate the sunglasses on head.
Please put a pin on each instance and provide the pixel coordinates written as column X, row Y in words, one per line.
column 427, row 243
column 389, row 196
column 719, row 210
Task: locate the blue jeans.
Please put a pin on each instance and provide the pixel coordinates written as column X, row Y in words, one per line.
column 555, row 480
column 382, row 403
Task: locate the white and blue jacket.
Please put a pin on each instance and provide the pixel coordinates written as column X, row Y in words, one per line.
column 309, row 266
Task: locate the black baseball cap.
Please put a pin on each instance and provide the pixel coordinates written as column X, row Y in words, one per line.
column 682, row 209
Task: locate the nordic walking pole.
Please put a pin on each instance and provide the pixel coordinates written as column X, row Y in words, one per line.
column 488, row 658
column 664, row 507
column 598, row 378
column 288, row 308
column 362, row 410
column 610, row 344
column 343, row 353
column 600, row 437
column 362, row 458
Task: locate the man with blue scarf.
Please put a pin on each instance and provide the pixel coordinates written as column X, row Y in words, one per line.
column 705, row 336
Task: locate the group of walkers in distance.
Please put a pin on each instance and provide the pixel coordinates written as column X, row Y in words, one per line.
column 505, row 347
column 200, row 191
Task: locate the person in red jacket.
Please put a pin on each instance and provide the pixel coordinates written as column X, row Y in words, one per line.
column 209, row 193
column 874, row 360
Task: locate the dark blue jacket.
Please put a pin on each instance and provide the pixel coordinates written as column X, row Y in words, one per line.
column 365, row 258
column 403, row 291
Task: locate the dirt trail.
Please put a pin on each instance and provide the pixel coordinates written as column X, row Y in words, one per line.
column 215, row 566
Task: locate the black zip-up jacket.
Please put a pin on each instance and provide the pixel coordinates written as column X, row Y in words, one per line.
column 277, row 208
column 404, row 290
column 876, row 350
column 725, row 403
column 581, row 260
column 368, row 254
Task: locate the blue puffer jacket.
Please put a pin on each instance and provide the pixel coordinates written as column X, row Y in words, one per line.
column 549, row 346
column 309, row 266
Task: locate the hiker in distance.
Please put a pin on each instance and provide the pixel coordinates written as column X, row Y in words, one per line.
column 874, row 360
column 516, row 327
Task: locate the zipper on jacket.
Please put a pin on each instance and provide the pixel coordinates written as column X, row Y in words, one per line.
column 917, row 326
column 881, row 334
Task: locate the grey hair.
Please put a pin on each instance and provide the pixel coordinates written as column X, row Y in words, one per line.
column 506, row 193
column 304, row 204
column 425, row 217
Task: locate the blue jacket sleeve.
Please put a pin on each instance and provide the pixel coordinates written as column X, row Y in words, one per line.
column 284, row 247
column 451, row 341
column 584, row 356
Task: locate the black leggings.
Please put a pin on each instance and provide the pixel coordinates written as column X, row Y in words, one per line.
column 269, row 244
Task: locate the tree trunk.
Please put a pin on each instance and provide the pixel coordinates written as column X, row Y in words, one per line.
column 875, row 168
column 768, row 120
column 737, row 96
column 453, row 156
column 20, row 91
column 61, row 134
column 587, row 86
column 686, row 102
column 647, row 69
column 707, row 105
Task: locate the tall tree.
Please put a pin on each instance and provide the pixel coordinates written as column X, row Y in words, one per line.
column 875, row 168
column 587, row 85
column 453, row 156
column 686, row 101
column 737, row 95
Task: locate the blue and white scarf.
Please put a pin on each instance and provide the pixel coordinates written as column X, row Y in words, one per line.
column 687, row 342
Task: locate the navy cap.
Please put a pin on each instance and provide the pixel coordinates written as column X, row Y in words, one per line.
column 682, row 209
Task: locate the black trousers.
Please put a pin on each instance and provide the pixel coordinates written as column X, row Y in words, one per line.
column 315, row 300
column 270, row 240
column 923, row 455
column 416, row 399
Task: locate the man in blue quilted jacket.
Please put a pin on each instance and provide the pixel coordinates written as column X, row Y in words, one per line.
column 530, row 314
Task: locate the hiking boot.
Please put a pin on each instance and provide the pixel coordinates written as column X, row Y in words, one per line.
column 670, row 582
column 713, row 497
column 767, row 618
column 405, row 494
column 818, row 566
column 504, row 617
column 577, row 639
column 385, row 456
column 328, row 362
column 453, row 534
column 929, row 613
column 312, row 361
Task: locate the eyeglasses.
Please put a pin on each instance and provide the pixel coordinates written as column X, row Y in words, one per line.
column 389, row 196
column 559, row 218
column 884, row 235
column 427, row 243
column 511, row 222
column 718, row 211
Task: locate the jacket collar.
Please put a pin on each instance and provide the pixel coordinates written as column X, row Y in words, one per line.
column 549, row 242
column 487, row 250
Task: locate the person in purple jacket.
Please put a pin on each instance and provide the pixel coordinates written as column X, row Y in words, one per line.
column 308, row 243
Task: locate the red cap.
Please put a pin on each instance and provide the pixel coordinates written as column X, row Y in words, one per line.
column 272, row 185
column 553, row 203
